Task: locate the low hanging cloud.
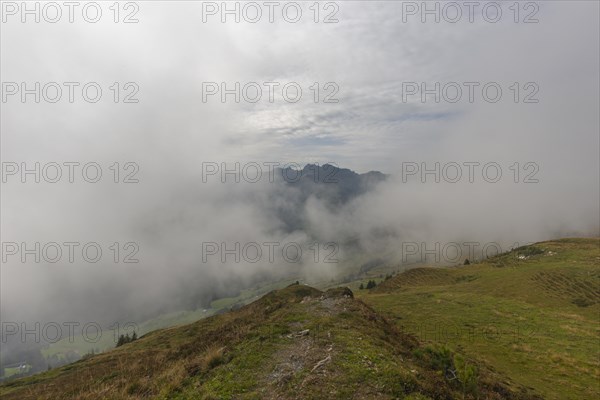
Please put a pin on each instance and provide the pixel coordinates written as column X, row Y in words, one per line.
column 171, row 133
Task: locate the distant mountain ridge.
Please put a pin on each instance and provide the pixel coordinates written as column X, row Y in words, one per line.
column 329, row 182
column 334, row 187
column 329, row 173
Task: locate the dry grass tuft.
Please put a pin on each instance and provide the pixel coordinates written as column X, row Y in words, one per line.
column 212, row 357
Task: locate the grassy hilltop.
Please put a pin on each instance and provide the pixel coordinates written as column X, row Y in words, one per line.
column 533, row 314
column 523, row 325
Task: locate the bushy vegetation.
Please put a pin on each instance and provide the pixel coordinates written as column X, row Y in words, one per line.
column 529, row 250
column 453, row 366
column 466, row 373
column 124, row 339
column 370, row 285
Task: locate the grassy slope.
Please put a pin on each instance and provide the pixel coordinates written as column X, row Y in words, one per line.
column 534, row 317
column 109, row 337
column 262, row 351
column 523, row 322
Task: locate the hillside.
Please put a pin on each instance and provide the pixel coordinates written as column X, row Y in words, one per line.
column 533, row 313
column 297, row 342
column 522, row 325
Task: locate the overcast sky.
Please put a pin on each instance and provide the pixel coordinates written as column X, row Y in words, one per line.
column 367, row 57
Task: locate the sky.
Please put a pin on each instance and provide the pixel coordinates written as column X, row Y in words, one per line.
column 369, row 63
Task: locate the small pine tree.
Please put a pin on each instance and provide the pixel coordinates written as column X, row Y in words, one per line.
column 466, row 374
column 467, row 262
column 361, row 287
column 134, row 336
